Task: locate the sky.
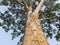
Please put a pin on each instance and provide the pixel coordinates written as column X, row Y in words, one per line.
column 5, row 38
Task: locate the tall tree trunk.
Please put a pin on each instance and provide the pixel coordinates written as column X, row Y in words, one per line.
column 33, row 33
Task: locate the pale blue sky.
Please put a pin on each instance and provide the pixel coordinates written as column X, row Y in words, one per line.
column 5, row 38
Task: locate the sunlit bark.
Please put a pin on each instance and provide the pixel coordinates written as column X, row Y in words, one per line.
column 34, row 33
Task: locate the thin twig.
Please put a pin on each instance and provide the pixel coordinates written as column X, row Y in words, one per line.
column 25, row 4
column 19, row 2
column 30, row 3
column 45, row 19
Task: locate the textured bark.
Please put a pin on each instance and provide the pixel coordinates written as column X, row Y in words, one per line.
column 34, row 34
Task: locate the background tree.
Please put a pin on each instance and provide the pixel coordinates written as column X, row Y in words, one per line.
column 15, row 17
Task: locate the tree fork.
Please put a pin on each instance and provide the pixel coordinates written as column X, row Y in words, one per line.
column 34, row 33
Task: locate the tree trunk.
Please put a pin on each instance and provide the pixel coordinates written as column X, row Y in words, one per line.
column 34, row 34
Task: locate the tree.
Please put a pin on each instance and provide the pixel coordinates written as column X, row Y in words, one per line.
column 15, row 17
column 34, row 34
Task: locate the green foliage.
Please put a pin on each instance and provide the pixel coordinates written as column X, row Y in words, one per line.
column 16, row 15
column 4, row 2
column 0, row 24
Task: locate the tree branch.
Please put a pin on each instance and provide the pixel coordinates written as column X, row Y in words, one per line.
column 19, row 2
column 24, row 4
column 44, row 19
column 39, row 6
column 30, row 3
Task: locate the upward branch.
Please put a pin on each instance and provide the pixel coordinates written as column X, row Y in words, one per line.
column 18, row 2
column 25, row 4
column 39, row 6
